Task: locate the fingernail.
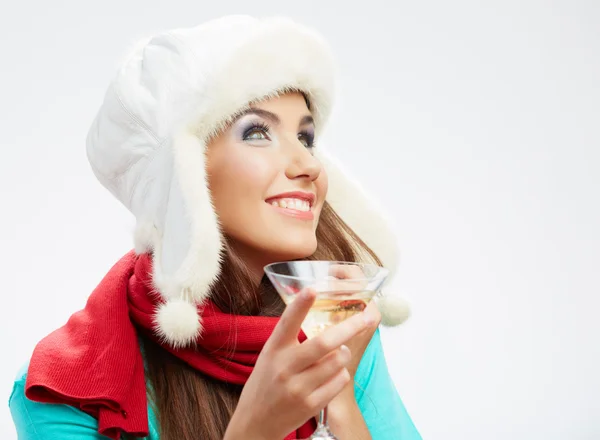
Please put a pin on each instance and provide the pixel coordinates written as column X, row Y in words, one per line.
column 346, row 351
column 306, row 294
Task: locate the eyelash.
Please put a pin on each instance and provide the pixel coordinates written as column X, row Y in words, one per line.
column 310, row 139
column 261, row 126
column 256, row 126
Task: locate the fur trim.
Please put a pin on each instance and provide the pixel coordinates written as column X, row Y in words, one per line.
column 188, row 258
column 298, row 59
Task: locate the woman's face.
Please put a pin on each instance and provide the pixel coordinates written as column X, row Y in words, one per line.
column 267, row 187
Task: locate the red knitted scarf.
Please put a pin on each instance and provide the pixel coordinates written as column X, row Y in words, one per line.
column 94, row 362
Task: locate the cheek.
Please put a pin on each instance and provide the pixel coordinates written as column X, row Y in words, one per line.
column 238, row 181
column 240, row 174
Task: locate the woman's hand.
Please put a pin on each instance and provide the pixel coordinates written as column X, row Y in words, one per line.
column 291, row 382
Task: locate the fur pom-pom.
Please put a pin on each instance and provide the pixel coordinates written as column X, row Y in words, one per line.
column 177, row 322
column 394, row 311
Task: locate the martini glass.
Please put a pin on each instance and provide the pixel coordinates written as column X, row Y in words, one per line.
column 343, row 289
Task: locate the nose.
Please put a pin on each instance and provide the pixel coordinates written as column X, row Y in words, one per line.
column 302, row 164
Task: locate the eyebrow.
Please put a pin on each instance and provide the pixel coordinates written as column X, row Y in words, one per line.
column 306, row 120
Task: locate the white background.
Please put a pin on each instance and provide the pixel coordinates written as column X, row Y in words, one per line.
column 475, row 123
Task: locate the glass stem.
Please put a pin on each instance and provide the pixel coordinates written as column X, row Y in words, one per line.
column 322, row 418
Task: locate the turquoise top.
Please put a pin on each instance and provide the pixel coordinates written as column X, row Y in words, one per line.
column 377, row 398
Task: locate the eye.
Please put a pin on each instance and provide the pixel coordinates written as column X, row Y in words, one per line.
column 257, row 131
column 307, row 138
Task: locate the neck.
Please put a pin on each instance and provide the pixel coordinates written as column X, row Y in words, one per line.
column 256, row 272
column 253, row 262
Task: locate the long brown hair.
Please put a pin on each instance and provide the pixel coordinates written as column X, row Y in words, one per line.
column 191, row 406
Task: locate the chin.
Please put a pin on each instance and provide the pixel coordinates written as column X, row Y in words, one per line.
column 294, row 249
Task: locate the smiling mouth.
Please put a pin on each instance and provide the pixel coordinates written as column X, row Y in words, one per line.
column 298, row 206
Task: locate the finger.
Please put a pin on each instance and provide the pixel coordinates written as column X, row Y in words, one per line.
column 348, row 277
column 321, row 397
column 345, row 271
column 331, row 339
column 288, row 327
column 325, row 369
column 373, row 314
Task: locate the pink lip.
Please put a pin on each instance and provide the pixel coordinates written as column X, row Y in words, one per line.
column 301, row 215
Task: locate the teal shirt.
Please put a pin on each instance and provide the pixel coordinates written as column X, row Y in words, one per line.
column 377, row 398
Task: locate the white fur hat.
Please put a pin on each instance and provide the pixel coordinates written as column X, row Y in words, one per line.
column 147, row 146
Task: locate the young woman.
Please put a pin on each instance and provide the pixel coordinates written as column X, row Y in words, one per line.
column 207, row 135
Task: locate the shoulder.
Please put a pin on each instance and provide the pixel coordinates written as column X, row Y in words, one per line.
column 38, row 421
column 372, row 374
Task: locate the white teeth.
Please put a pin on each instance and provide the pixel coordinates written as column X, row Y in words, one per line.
column 297, row 204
